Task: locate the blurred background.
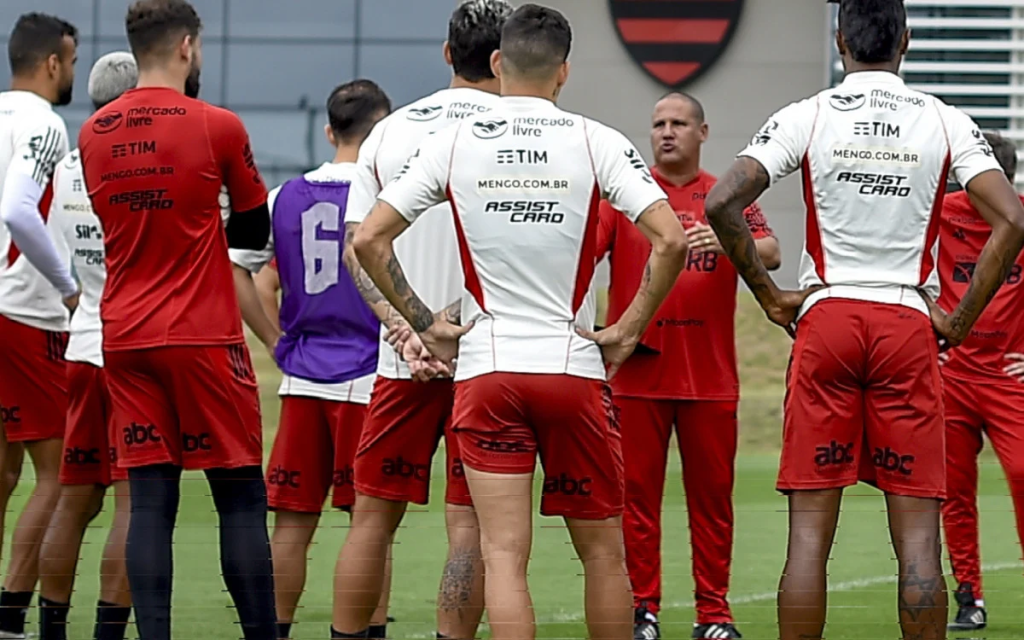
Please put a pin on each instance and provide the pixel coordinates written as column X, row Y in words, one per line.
column 274, row 62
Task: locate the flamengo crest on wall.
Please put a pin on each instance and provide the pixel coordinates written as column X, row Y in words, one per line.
column 676, row 41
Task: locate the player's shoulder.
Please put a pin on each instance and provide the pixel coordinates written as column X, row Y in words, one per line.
column 331, row 172
column 70, row 163
column 213, row 113
column 447, row 105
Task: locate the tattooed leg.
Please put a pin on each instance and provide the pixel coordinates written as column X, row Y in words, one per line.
column 914, row 528
column 813, row 516
column 460, row 600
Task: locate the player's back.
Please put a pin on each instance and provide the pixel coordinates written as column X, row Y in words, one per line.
column 34, row 136
column 874, row 156
column 330, row 334
column 1000, row 329
column 155, row 162
column 523, row 186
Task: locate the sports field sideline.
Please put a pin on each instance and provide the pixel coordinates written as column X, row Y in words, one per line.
column 862, row 603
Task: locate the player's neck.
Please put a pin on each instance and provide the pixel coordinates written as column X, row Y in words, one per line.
column 346, row 153
column 679, row 175
column 32, row 85
column 513, row 89
column 886, row 67
column 160, row 79
column 492, row 85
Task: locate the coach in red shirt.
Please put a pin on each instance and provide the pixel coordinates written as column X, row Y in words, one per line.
column 682, row 374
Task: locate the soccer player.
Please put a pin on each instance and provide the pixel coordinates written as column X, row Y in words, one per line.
column 406, row 419
column 182, row 387
column 90, row 458
column 979, row 394
column 328, row 351
column 524, row 181
column 34, row 277
column 686, row 376
column 863, row 393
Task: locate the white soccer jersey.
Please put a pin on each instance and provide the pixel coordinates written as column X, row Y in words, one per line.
column 71, row 213
column 524, row 182
column 874, row 156
column 428, row 252
column 356, row 391
column 33, row 138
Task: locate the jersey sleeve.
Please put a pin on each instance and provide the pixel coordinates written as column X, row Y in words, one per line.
column 421, row 182
column 622, row 175
column 781, row 143
column 233, row 152
column 38, row 148
column 366, row 183
column 970, row 154
column 253, row 261
column 606, row 223
column 757, row 223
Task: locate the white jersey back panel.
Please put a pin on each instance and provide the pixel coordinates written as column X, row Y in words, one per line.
column 525, row 181
column 874, row 156
column 428, row 253
column 71, row 213
column 33, row 138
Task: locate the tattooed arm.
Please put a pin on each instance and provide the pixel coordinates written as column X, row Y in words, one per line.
column 387, row 314
column 452, row 313
column 745, row 181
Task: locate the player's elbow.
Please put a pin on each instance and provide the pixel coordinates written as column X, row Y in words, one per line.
column 671, row 245
column 716, row 206
column 366, row 244
column 770, row 254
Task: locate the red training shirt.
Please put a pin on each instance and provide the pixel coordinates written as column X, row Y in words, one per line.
column 1000, row 329
column 694, row 330
column 154, row 163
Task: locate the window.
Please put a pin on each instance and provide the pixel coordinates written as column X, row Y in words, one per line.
column 970, row 53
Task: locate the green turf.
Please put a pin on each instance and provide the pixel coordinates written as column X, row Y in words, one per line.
column 864, row 606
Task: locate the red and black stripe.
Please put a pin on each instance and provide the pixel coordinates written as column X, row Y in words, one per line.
column 676, row 40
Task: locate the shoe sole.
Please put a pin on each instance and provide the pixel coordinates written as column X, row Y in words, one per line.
column 954, row 626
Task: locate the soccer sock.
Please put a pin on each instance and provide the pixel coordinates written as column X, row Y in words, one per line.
column 378, row 631
column 53, row 619
column 979, row 603
column 441, row 636
column 13, row 609
column 111, row 621
column 240, row 496
column 284, row 630
column 365, row 633
column 155, row 494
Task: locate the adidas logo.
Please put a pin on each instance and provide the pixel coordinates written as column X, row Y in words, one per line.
column 718, row 631
column 650, row 632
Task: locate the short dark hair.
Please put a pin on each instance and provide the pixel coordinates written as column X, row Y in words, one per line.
column 153, row 25
column 474, row 33
column 1005, row 153
column 698, row 108
column 872, row 29
column 36, row 37
column 535, row 40
column 354, row 107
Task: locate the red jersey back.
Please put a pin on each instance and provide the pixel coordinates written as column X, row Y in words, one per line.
column 154, row 164
column 1000, row 329
column 693, row 331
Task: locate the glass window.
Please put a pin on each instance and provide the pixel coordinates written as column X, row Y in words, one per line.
column 74, row 117
column 280, row 141
column 294, row 18
column 78, row 13
column 112, row 13
column 397, row 19
column 281, row 75
column 407, row 72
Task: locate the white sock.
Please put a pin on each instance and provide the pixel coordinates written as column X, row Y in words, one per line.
column 651, row 617
column 979, row 603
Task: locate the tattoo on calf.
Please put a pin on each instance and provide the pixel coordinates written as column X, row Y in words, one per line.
column 457, row 581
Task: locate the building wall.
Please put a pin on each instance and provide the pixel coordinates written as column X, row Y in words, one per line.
column 274, row 61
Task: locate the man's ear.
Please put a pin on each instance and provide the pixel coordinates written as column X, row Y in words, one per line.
column 840, row 43
column 329, row 133
column 496, row 63
column 905, row 42
column 446, row 50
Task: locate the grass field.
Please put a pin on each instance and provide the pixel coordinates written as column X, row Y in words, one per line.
column 862, row 575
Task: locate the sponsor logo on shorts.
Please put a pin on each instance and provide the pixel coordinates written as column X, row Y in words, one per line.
column 112, row 453
column 404, row 469
column 345, row 476
column 611, row 410
column 195, row 442
column 892, row 461
column 501, row 446
column 137, row 434
column 77, row 455
column 10, row 415
column 457, row 470
column 568, row 486
column 834, row 454
column 282, row 477
column 107, row 123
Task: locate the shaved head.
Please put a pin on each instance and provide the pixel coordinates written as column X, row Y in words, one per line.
column 697, row 109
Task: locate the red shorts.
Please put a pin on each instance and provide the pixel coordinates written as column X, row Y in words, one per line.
column 33, row 382
column 195, row 407
column 90, row 456
column 503, row 420
column 313, row 451
column 404, row 424
column 864, row 401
